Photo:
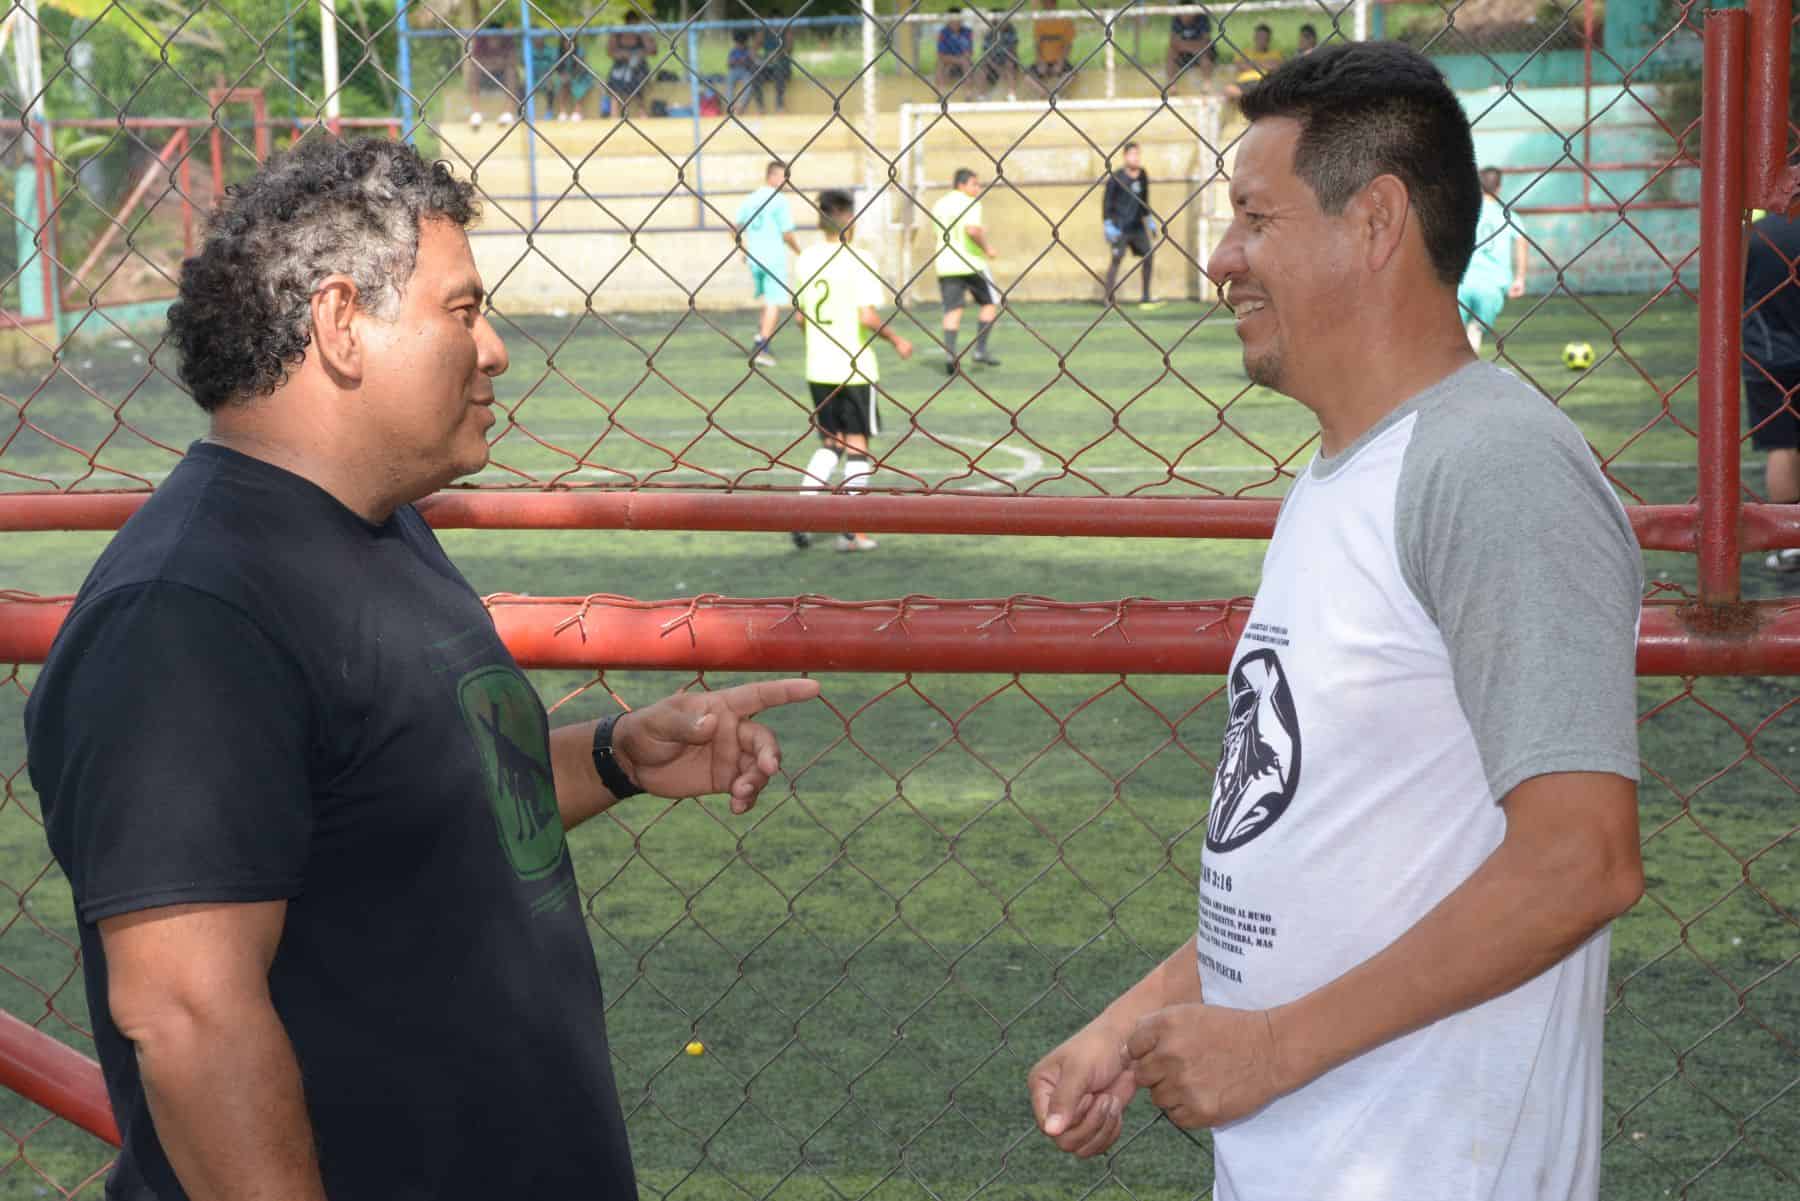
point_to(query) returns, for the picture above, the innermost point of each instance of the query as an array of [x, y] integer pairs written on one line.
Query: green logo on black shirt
[[507, 725]]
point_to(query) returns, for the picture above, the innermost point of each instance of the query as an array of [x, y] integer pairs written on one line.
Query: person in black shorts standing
[[1128, 221], [1191, 45], [839, 295], [963, 253], [311, 811], [1772, 362]]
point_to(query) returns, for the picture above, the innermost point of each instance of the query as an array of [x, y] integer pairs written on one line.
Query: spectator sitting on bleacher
[[1307, 42], [492, 56], [1191, 45], [1000, 55], [1055, 41], [562, 76], [955, 51], [1255, 62], [741, 74], [777, 66], [630, 51]]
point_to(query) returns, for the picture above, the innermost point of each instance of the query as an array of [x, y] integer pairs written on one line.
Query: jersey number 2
[[819, 317]]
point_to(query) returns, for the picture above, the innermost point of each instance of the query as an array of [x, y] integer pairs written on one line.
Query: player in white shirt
[[1425, 811], [838, 296]]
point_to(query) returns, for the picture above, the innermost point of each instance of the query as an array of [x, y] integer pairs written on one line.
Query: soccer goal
[[1044, 166]]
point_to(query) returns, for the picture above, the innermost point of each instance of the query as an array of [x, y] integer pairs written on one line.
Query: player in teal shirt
[[1497, 270], [764, 227]]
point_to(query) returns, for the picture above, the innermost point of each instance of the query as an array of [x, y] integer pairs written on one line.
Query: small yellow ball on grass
[[696, 1048]]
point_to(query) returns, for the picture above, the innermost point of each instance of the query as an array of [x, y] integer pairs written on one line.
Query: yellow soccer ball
[[1578, 356], [696, 1048]]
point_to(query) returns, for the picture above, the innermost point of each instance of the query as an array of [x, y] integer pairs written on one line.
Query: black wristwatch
[[607, 764]]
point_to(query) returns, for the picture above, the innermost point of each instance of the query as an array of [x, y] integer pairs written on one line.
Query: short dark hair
[[1380, 108], [1310, 32], [1262, 27], [741, 36], [1129, 146], [836, 206], [775, 165], [963, 175], [243, 317]]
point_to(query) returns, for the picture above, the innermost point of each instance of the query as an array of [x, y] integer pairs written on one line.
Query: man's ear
[[1382, 210], [335, 307]]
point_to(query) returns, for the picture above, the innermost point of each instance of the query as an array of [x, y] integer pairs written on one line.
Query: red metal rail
[[1659, 527], [930, 635], [59, 1078], [1720, 491]]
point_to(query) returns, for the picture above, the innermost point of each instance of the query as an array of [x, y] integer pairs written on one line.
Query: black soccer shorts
[[844, 409]]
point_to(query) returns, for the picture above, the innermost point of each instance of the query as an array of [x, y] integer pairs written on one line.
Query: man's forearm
[[224, 1091], [1174, 981], [1520, 913]]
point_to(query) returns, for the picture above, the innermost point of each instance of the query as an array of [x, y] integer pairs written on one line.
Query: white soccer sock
[[857, 470], [818, 468]]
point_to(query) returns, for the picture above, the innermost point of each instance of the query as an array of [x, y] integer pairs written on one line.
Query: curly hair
[[244, 317], [1379, 108]]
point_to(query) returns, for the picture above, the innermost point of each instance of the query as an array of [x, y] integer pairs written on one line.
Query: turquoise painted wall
[[1525, 130]]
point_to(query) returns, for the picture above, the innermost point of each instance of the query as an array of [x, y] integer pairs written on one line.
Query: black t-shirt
[[1126, 200], [1191, 27], [261, 696], [1772, 334]]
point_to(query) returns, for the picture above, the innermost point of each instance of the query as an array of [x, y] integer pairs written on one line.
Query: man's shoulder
[[1483, 416], [240, 532]]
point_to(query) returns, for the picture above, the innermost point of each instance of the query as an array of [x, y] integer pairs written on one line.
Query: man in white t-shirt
[[838, 297], [1425, 811]]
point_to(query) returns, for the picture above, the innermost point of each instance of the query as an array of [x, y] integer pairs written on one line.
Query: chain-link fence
[[989, 822]]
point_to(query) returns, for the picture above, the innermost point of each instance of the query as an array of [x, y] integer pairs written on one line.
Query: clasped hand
[[1204, 1066], [695, 743]]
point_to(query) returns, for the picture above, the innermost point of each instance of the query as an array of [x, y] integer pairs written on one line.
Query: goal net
[[1044, 168]]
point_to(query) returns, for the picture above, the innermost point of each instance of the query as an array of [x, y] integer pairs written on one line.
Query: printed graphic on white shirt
[[1259, 767]]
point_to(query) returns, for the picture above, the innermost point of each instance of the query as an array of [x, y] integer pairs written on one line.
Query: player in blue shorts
[[764, 228], [1497, 271]]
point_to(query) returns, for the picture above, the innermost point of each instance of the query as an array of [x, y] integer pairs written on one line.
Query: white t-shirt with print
[[1448, 607], [833, 284]]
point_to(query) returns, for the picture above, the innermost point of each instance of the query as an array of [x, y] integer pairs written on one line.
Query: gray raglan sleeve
[[1512, 540]]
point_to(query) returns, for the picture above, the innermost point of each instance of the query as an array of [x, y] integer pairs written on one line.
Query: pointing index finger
[[747, 700]]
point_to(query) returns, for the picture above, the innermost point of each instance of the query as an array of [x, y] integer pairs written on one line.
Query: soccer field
[[958, 870]]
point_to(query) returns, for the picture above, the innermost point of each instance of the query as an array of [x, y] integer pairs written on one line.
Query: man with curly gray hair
[[311, 811]]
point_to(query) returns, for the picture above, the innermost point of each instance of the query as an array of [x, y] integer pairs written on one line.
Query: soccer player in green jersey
[[963, 255]]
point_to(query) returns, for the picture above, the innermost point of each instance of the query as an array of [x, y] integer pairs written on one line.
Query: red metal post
[[59, 1078], [259, 109], [45, 167], [218, 163], [1587, 101], [187, 196], [1720, 493], [1766, 114]]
